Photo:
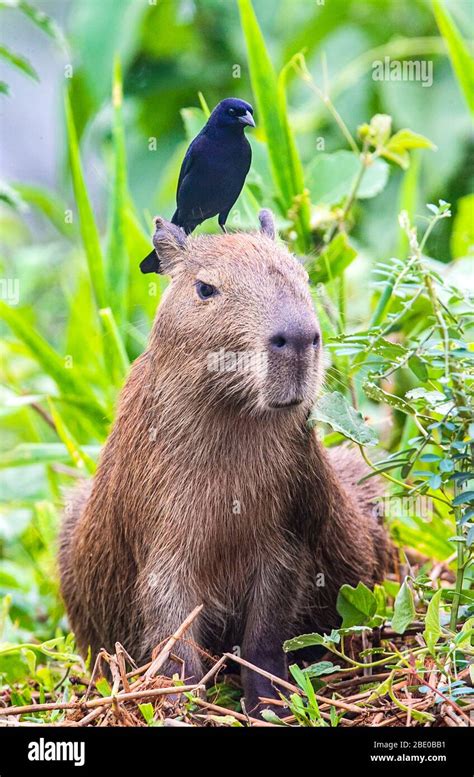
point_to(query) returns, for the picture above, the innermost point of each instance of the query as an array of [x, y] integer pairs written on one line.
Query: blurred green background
[[170, 52]]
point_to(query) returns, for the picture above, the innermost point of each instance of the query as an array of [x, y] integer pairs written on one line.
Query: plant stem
[[365, 160], [299, 65], [342, 300], [338, 119], [459, 568]]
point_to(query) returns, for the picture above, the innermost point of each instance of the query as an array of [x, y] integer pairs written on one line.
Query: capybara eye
[[205, 290], [316, 339]]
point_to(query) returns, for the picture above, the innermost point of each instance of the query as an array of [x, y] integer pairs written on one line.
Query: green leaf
[[465, 497], [404, 609], [459, 55], [397, 147], [464, 638], [66, 379], [321, 668], [301, 202], [378, 131], [308, 640], [330, 177], [353, 630], [462, 237], [25, 454], [270, 96], [432, 630], [117, 262], [48, 204], [194, 120], [298, 675], [39, 18], [374, 180], [225, 720], [356, 605], [103, 686], [89, 231], [265, 88], [147, 712], [272, 717], [433, 398], [12, 198], [79, 457], [467, 515], [418, 367], [30, 657], [406, 139], [335, 410], [332, 261], [304, 682], [379, 395], [14, 667], [21, 63], [114, 348]]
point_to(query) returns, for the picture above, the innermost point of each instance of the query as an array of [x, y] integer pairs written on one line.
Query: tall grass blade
[[49, 204], [297, 175], [50, 361], [265, 88], [114, 349], [408, 199], [21, 63], [26, 454], [88, 227], [117, 261], [79, 456], [461, 60]]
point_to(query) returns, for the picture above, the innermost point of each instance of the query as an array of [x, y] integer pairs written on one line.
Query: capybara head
[[237, 320]]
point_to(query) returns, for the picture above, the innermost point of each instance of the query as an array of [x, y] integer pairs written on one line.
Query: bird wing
[[188, 160], [211, 178]]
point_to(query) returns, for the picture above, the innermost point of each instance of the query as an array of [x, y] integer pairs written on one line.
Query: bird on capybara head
[[211, 488], [213, 171]]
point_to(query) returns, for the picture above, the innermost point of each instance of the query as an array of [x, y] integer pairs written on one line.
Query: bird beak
[[247, 118]]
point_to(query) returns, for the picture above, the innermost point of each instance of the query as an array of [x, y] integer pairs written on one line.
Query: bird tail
[[187, 226], [150, 263]]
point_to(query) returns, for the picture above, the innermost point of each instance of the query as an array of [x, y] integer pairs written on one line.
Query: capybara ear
[[267, 223], [169, 241]]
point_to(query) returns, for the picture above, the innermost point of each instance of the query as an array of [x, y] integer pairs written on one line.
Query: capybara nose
[[295, 338]]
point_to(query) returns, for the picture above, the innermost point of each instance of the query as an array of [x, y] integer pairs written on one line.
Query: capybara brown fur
[[211, 488]]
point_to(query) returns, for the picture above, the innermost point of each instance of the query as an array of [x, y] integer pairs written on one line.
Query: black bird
[[213, 171]]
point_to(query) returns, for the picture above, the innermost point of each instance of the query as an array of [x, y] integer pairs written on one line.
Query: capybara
[[211, 488]]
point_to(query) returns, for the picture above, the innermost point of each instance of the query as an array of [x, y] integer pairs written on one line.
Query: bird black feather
[[213, 171]]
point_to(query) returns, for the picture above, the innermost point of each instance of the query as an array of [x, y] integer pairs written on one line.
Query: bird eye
[[231, 111], [205, 290]]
